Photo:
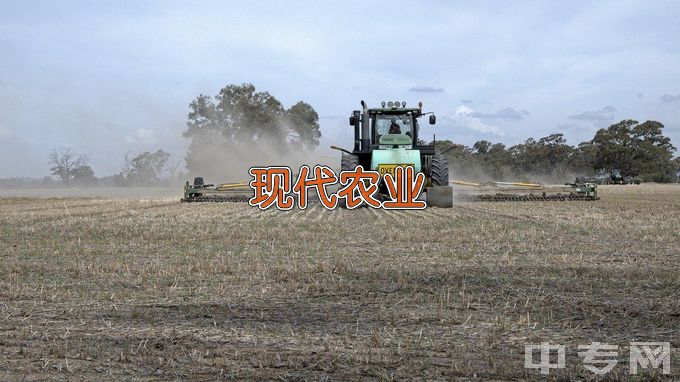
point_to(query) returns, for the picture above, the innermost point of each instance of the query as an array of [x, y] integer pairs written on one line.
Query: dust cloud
[[474, 172], [231, 164]]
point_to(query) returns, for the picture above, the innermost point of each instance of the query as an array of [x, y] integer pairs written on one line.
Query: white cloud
[[599, 118], [505, 113], [465, 116], [141, 135], [604, 114]]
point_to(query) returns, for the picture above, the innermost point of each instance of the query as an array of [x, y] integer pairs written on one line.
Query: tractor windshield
[[393, 124]]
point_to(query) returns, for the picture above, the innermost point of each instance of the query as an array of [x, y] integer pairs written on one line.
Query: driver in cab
[[394, 127]]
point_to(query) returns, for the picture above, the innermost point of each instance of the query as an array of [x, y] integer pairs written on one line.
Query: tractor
[[387, 137], [611, 177]]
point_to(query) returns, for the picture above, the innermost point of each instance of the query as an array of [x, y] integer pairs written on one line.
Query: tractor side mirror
[[352, 121], [433, 119]]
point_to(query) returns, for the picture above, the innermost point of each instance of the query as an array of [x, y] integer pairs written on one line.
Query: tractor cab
[[388, 137], [390, 127]]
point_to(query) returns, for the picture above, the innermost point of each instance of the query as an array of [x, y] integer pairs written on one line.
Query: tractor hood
[[395, 139]]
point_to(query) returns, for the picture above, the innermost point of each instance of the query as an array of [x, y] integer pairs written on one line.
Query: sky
[[104, 78]]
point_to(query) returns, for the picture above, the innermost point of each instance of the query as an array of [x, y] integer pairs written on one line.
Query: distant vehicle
[[611, 177]]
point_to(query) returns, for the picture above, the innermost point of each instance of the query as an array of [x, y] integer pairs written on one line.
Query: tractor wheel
[[347, 163], [439, 172]]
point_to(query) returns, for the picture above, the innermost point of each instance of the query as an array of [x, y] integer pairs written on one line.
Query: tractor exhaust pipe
[[365, 136]]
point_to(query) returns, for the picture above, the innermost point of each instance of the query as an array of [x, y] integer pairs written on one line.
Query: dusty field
[[94, 289]]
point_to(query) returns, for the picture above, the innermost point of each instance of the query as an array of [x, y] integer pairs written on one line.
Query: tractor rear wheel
[[347, 163], [441, 193], [439, 172]]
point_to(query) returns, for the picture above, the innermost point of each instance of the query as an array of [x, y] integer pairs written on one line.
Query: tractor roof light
[[383, 103], [403, 103], [420, 104], [390, 104], [396, 103]]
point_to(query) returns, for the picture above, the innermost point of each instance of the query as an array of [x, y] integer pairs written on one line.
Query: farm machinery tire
[[439, 170], [348, 162]]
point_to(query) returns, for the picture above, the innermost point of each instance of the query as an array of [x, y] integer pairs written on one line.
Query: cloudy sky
[[106, 77]]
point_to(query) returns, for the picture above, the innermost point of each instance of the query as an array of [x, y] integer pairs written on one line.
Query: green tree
[[303, 125], [615, 148], [637, 149], [548, 156], [676, 165], [147, 168], [496, 161], [583, 158], [240, 115], [653, 153], [481, 147]]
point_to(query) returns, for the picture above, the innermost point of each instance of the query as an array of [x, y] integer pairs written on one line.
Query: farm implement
[[225, 192], [464, 192], [522, 192], [612, 177]]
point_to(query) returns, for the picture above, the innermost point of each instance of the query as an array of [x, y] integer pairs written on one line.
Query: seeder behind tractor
[[522, 192], [464, 191], [225, 192]]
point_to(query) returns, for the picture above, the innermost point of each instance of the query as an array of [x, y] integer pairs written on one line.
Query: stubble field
[[114, 288]]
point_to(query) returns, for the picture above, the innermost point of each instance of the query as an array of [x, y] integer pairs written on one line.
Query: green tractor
[[618, 178], [387, 137]]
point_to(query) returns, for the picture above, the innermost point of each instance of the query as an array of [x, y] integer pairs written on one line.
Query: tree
[[497, 161], [147, 168], [614, 147], [481, 147], [66, 164], [653, 152], [550, 155], [676, 165], [84, 176], [126, 169], [303, 125], [583, 158], [241, 116], [637, 149]]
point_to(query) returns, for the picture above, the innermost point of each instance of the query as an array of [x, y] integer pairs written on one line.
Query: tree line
[[241, 121], [636, 149], [146, 169]]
